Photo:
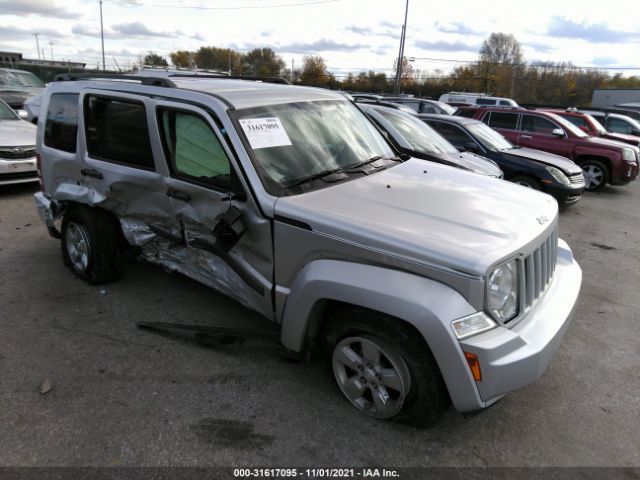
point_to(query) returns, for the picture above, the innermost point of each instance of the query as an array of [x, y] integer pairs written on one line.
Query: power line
[[547, 65], [242, 7]]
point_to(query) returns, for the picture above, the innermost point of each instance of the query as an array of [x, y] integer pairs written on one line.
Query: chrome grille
[[537, 270], [577, 179], [18, 153]]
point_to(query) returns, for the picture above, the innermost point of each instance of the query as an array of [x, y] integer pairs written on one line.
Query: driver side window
[[192, 149]]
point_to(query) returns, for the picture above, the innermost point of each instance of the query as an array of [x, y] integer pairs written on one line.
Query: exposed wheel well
[[122, 241], [319, 322], [604, 160]]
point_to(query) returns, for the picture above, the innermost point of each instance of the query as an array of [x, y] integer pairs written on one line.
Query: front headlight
[[502, 291], [558, 175], [629, 155]]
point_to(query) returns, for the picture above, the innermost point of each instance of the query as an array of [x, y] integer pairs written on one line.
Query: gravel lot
[[122, 396]]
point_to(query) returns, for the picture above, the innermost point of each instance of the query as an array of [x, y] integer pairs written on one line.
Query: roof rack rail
[[152, 81], [233, 77]]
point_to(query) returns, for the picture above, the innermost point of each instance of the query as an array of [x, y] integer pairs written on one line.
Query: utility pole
[[37, 44], [229, 61], [51, 47], [102, 36], [401, 51], [292, 70]]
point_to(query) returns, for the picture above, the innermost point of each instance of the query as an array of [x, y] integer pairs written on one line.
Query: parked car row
[[429, 284]]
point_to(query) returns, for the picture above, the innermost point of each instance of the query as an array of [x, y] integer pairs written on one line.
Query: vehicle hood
[[475, 163], [17, 133], [429, 214], [607, 143], [622, 137], [551, 159]]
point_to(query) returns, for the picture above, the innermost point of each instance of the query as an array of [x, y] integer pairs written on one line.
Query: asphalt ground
[[121, 396]]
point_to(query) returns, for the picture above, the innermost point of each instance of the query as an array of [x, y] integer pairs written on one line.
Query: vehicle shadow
[[16, 190]]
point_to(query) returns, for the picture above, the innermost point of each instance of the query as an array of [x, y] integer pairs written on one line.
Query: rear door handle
[[184, 196], [91, 172]]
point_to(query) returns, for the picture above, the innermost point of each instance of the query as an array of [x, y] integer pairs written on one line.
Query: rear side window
[[117, 132], [533, 123], [61, 127], [192, 149], [485, 101], [618, 126], [465, 112], [502, 120], [505, 103]]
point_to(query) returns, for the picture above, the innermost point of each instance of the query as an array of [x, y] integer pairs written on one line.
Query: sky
[[351, 35]]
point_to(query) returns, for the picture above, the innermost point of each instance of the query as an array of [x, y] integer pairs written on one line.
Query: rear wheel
[[385, 369], [596, 174], [89, 239], [527, 181]]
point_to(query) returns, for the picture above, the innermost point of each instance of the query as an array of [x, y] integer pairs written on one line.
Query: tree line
[[500, 70]]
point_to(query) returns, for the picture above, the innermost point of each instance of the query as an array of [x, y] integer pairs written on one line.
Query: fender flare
[[427, 305]]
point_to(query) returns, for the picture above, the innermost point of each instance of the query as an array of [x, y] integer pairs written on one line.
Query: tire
[[405, 373], [527, 181], [90, 241], [596, 174]]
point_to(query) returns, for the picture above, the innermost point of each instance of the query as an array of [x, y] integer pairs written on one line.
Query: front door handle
[[91, 172], [184, 196], [526, 136]]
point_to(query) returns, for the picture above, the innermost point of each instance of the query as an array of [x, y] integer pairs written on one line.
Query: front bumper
[[626, 175], [511, 358], [18, 171], [565, 194]]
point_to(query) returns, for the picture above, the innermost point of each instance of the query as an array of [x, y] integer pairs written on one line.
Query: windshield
[[6, 113], [634, 123], [489, 138], [568, 125], [294, 141], [420, 136], [9, 80], [28, 79], [448, 109], [598, 126]]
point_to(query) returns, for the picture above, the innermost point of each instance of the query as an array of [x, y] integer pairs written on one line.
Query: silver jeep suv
[[429, 284]]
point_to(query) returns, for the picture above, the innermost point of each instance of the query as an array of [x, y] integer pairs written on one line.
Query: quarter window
[[117, 132], [485, 101], [192, 148], [503, 120], [535, 124], [61, 127]]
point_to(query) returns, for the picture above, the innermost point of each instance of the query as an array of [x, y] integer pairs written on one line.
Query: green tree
[[263, 62], [182, 58], [315, 72], [155, 60]]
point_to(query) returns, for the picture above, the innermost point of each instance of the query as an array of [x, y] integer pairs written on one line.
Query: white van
[[470, 98]]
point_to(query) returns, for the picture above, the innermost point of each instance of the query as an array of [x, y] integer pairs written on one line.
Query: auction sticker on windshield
[[265, 132]]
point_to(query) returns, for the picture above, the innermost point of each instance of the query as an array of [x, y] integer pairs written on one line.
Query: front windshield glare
[[420, 136], [491, 139], [29, 79], [568, 125], [6, 113], [9, 80], [294, 141]]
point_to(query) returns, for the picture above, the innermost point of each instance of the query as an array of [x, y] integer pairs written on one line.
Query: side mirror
[[22, 114], [557, 132], [471, 147]]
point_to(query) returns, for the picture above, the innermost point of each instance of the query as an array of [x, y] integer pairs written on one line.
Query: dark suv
[[603, 161]]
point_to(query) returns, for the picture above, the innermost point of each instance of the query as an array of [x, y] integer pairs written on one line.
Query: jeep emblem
[[542, 220]]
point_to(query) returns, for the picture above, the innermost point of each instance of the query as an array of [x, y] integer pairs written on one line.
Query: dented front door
[[226, 243]]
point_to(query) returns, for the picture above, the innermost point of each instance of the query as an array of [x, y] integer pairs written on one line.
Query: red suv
[[603, 161], [592, 127]]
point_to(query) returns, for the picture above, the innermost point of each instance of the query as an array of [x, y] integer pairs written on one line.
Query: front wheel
[[527, 181], [385, 369], [596, 174]]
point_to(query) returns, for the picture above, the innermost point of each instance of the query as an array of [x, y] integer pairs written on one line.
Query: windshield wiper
[[356, 166], [311, 178]]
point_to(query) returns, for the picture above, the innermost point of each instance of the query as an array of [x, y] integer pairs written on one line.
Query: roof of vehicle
[[235, 92], [448, 118]]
